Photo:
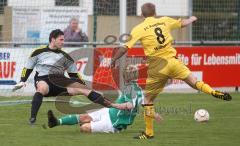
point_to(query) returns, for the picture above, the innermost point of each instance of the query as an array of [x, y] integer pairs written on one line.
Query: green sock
[[69, 120]]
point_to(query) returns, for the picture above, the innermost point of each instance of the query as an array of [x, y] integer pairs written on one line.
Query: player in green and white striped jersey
[[108, 119]]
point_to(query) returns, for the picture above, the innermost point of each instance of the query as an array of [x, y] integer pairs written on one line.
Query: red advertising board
[[216, 65], [220, 66], [7, 68]]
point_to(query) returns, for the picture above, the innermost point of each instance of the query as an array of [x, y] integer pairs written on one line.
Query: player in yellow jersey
[[154, 34]]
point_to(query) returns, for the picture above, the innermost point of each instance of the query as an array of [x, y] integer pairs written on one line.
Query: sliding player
[[109, 119]]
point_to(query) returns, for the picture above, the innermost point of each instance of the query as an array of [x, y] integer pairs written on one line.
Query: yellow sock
[[204, 87], [148, 118]]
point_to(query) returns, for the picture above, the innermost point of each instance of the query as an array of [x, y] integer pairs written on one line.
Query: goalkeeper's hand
[[19, 86]]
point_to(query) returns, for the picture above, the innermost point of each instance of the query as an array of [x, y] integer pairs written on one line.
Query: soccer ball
[[201, 115]]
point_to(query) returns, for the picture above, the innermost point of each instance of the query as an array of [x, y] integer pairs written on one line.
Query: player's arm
[[130, 100], [119, 53], [188, 21], [178, 23], [123, 106], [72, 70], [27, 70], [25, 74], [134, 37]]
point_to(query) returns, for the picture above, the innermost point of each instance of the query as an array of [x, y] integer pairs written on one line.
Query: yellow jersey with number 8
[[155, 36]]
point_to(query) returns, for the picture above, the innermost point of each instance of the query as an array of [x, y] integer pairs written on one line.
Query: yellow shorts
[[160, 70]]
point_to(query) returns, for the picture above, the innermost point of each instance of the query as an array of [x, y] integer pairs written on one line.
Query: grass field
[[177, 129]]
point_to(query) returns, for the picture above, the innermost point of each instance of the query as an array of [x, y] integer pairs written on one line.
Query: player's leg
[[85, 128], [180, 71], [100, 122], [153, 87], [85, 118], [73, 87], [156, 80], [42, 89], [201, 86], [77, 88], [52, 120], [67, 119], [149, 113]]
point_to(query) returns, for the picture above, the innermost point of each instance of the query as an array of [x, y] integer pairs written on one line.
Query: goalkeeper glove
[[19, 86]]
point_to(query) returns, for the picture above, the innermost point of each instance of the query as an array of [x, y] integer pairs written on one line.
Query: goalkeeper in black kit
[[50, 63]]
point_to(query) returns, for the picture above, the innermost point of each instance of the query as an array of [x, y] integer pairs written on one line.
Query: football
[[201, 115]]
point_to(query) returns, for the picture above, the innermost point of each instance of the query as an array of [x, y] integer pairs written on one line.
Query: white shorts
[[101, 121]]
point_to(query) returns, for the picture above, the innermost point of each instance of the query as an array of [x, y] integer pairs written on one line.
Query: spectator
[[74, 34]]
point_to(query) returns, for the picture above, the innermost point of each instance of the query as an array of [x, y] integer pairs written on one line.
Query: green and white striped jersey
[[122, 118]]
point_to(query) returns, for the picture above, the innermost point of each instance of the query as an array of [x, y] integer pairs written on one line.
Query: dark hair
[[148, 10], [54, 34]]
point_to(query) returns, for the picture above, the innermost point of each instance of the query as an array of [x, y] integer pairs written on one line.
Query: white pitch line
[[17, 102]]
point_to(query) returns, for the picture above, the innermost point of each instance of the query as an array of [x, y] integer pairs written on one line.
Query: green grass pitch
[[177, 129]]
